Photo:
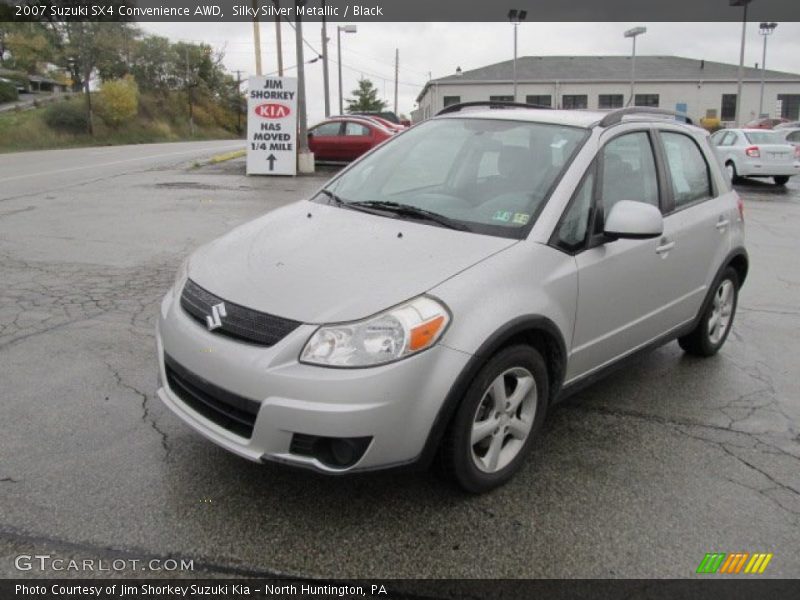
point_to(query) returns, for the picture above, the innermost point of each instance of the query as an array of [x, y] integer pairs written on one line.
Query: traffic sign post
[[272, 126]]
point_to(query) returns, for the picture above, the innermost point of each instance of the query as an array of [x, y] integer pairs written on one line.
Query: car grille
[[234, 413], [239, 322]]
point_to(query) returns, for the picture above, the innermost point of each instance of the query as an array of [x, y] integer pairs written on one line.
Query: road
[[638, 476]]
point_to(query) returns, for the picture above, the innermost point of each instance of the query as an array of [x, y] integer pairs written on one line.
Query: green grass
[[27, 130]]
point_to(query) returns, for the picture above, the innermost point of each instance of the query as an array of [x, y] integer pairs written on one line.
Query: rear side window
[[355, 129], [326, 129], [793, 137], [688, 169], [629, 173]]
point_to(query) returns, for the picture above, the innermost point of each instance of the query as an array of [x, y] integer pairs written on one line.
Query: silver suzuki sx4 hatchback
[[434, 299]]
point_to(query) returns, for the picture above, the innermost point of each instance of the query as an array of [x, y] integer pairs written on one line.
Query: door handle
[[665, 247], [722, 223]]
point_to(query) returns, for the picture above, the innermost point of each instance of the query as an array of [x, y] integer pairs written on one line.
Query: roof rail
[[615, 116], [490, 104]]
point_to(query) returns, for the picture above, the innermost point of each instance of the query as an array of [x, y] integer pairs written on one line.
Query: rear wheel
[[780, 179], [494, 426], [731, 169], [715, 324]]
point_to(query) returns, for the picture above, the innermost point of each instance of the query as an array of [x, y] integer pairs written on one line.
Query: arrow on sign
[[271, 158]]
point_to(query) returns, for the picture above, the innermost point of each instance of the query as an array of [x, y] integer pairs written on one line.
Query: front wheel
[[715, 323], [780, 179], [493, 428]]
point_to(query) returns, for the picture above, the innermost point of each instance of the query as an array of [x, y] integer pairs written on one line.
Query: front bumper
[[395, 405]]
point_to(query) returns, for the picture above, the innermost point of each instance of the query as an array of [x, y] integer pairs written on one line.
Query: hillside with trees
[[125, 86]]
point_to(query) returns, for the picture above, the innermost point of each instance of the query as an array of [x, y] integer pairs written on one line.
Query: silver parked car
[[757, 153], [432, 301]]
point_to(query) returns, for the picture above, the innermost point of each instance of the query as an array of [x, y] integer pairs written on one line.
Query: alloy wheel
[[503, 420], [721, 311]]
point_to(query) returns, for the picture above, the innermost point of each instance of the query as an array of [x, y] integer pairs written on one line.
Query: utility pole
[[325, 79], [742, 3], [277, 4], [239, 101], [189, 93], [396, 73], [305, 159], [257, 37]]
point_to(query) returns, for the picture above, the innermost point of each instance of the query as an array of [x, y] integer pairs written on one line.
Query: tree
[[119, 100], [365, 98], [25, 46], [153, 64]]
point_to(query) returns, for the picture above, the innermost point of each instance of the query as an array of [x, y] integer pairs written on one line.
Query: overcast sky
[[438, 48]]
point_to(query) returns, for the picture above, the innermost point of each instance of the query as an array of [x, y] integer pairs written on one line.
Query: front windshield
[[491, 176]]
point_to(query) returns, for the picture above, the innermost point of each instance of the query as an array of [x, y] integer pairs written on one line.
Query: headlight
[[383, 338], [181, 276]]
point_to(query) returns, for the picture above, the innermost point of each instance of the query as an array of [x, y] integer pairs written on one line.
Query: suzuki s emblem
[[214, 320]]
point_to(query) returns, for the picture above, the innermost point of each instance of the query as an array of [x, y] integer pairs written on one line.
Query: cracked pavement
[[637, 476]]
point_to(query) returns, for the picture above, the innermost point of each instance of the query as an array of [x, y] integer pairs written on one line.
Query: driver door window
[[628, 173]]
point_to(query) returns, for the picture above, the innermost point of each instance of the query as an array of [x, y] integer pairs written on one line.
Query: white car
[[756, 153]]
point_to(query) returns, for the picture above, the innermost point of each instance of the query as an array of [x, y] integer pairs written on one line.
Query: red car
[[764, 123], [345, 138]]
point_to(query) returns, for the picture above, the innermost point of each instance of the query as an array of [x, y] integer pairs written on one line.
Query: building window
[[540, 100], [790, 106], [450, 100], [646, 100], [501, 98], [575, 101], [609, 101], [728, 111]]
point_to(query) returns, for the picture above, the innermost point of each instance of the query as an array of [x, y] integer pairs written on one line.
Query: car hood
[[318, 264]]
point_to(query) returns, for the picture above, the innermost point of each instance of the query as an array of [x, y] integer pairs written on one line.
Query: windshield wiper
[[336, 200], [409, 211]]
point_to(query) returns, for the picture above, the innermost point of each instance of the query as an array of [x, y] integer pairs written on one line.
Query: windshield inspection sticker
[[521, 218], [502, 215]]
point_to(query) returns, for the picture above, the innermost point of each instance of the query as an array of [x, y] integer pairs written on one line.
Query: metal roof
[[549, 69]]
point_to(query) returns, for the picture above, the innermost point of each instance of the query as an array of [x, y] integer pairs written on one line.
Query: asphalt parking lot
[[637, 476]]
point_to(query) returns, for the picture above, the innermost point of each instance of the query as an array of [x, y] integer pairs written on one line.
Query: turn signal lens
[[423, 335]]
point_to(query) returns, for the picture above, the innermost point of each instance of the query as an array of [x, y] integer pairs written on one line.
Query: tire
[[498, 455], [731, 169], [780, 179], [706, 338]]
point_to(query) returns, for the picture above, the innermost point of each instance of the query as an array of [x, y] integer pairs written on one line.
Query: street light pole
[[766, 30], [325, 79], [632, 33], [339, 29], [744, 4], [514, 17]]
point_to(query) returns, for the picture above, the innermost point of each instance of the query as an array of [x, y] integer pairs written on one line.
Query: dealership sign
[[272, 126]]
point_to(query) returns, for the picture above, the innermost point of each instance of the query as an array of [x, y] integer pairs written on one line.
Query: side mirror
[[633, 221]]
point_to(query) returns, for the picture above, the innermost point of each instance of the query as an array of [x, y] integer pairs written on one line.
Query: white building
[[698, 88]]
